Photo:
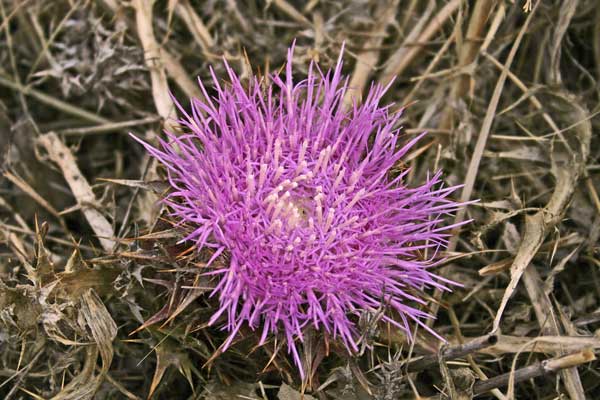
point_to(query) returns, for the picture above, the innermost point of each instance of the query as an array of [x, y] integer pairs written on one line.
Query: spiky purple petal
[[297, 192]]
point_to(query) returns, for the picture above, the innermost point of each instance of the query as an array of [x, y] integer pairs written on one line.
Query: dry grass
[[97, 297]]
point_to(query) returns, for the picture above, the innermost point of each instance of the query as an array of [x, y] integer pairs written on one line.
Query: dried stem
[[402, 58], [546, 367], [61, 155], [467, 55], [195, 25], [486, 127], [53, 102], [154, 60], [452, 353], [367, 59]]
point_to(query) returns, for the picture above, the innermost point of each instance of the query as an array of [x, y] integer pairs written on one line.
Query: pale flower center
[[287, 211]]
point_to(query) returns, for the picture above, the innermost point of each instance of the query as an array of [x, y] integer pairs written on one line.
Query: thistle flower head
[[308, 201]]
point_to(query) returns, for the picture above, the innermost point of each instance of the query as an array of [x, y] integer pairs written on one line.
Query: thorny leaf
[[167, 354], [68, 309]]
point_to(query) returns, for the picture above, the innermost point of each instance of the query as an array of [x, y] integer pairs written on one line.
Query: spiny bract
[[307, 200]]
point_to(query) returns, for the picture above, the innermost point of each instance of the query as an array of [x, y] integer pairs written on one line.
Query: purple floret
[[308, 202]]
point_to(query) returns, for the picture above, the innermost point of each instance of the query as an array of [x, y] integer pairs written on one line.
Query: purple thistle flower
[[300, 194]]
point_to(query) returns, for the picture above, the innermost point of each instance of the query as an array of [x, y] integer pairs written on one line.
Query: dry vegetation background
[[508, 91]]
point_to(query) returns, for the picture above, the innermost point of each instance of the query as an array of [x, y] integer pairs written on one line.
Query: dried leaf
[[61, 154], [167, 354], [103, 330]]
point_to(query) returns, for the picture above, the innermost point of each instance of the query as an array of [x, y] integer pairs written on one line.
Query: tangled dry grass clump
[[100, 298]]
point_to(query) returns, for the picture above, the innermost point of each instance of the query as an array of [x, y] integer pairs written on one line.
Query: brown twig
[[542, 344], [108, 128], [452, 353], [505, 263], [467, 55], [21, 374], [567, 174], [50, 238], [402, 57], [54, 103], [154, 60], [425, 75], [549, 325], [565, 14], [291, 12], [25, 187], [367, 59], [545, 367], [481, 143], [195, 25], [486, 127]]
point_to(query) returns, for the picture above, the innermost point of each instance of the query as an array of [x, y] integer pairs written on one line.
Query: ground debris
[[100, 296]]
